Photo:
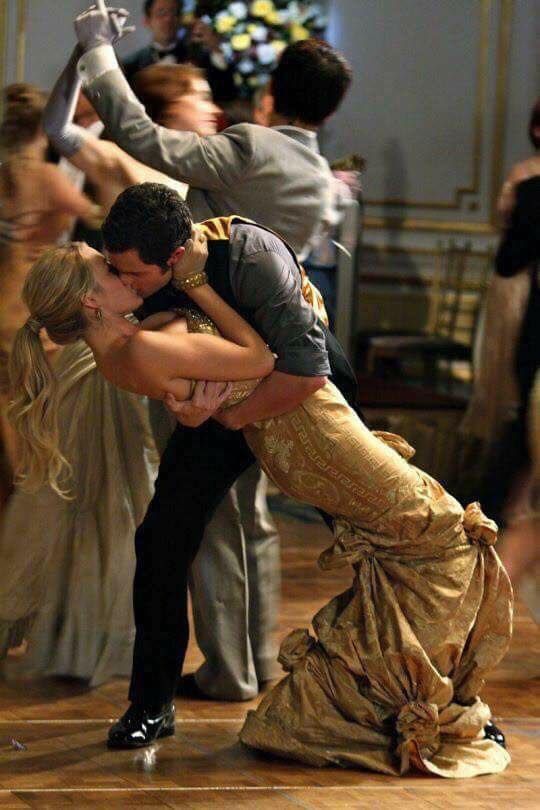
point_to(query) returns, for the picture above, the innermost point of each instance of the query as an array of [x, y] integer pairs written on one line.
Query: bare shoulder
[[155, 349], [140, 365], [49, 171]]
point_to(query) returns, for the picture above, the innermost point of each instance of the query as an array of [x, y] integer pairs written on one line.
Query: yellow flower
[[274, 18], [225, 24], [298, 32], [260, 8], [279, 46], [240, 42]]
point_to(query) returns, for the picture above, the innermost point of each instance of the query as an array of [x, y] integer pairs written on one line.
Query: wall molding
[[3, 47], [20, 55], [395, 221], [479, 116]]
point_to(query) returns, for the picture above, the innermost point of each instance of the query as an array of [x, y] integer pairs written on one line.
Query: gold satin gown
[[390, 680]]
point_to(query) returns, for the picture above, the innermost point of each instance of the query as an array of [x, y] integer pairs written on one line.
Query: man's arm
[[267, 283], [277, 394], [215, 163]]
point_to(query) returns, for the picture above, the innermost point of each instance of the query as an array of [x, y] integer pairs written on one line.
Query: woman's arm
[[77, 144], [229, 323], [65, 136], [158, 358], [98, 159], [64, 197]]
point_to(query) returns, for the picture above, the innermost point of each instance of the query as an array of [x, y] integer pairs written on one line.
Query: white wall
[[50, 36], [411, 110]]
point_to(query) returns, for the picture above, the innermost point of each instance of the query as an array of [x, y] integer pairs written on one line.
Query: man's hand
[[207, 399], [194, 258], [100, 25]]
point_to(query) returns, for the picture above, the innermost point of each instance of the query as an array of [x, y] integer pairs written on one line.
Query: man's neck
[[282, 121]]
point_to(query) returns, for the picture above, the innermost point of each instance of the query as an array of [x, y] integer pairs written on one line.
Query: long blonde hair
[[53, 293]]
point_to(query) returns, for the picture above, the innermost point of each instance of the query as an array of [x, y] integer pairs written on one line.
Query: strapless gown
[[390, 679]]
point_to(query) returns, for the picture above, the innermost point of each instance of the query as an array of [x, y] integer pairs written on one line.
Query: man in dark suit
[[175, 45]]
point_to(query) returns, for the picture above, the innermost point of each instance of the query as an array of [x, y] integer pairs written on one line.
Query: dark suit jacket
[[220, 81], [519, 251]]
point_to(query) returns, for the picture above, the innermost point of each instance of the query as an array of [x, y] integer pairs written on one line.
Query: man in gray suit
[[273, 175]]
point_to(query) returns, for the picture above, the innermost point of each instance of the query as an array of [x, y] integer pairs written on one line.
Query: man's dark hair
[[310, 81], [147, 8], [150, 218]]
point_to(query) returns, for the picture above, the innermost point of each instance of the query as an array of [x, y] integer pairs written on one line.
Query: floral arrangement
[[255, 32]]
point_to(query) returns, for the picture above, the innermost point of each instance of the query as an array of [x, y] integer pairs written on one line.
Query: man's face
[[163, 21], [143, 279], [195, 111]]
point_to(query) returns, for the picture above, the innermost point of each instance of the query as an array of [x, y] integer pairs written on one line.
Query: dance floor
[[52, 734]]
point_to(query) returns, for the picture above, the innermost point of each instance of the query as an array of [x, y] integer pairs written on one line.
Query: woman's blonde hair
[[53, 293]]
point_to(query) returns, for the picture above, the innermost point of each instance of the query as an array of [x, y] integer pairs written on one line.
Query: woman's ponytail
[[33, 413], [53, 293]]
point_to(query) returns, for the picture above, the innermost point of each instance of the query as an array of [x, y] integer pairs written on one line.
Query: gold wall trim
[[497, 155], [420, 250], [20, 57], [484, 8], [501, 95], [3, 47], [444, 226]]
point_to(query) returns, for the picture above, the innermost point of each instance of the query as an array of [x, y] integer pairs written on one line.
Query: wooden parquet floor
[[65, 762]]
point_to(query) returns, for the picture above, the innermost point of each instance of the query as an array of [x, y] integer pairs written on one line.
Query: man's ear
[[175, 256]]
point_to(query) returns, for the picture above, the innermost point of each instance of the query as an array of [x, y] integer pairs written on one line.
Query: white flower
[[246, 66], [238, 10], [266, 54], [259, 33], [227, 50], [293, 10]]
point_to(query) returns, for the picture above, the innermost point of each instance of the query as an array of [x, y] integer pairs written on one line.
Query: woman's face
[[110, 294], [193, 112]]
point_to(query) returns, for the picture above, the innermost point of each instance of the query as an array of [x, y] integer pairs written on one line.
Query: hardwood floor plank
[[64, 725]]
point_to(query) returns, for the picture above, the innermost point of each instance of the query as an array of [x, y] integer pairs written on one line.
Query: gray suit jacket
[[279, 180]]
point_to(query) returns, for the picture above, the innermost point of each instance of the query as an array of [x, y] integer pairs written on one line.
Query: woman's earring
[[99, 315]]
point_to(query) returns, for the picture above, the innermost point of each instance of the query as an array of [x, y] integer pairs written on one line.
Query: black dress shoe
[[188, 688], [491, 732], [138, 727]]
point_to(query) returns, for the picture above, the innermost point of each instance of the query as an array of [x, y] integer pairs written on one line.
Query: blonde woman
[[391, 682], [84, 626], [36, 205]]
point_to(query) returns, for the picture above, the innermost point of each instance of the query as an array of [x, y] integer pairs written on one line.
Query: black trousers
[[197, 469]]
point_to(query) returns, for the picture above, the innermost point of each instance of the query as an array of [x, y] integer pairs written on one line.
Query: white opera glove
[[100, 25], [66, 137]]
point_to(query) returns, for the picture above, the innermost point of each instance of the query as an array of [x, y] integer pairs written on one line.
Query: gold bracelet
[[190, 282]]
